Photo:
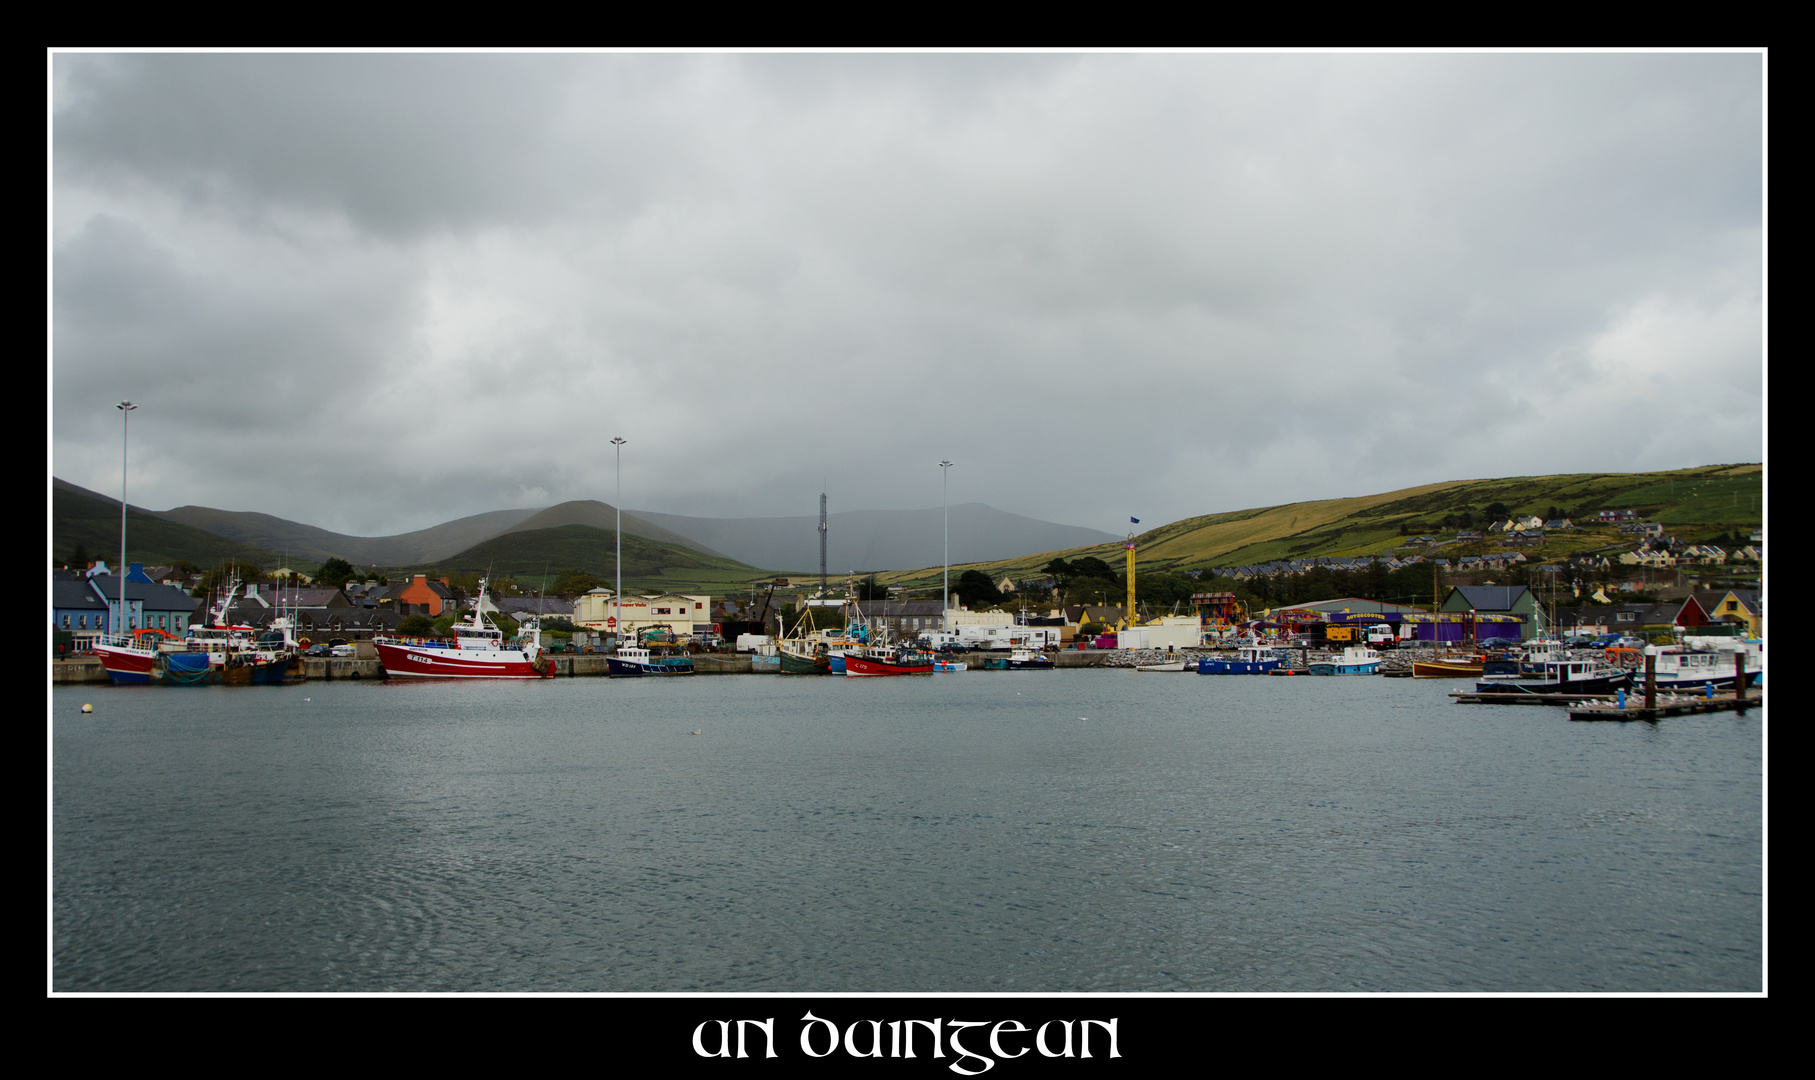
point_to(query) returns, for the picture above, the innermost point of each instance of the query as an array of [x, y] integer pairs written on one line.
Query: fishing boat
[[657, 652], [1354, 660], [805, 657], [1029, 660], [949, 666], [478, 651], [1175, 665], [1467, 666], [634, 660], [1592, 675], [889, 660], [1246, 660], [219, 652], [1679, 669], [132, 658]]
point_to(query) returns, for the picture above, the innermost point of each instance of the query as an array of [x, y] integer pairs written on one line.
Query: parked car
[[341, 650], [316, 650]]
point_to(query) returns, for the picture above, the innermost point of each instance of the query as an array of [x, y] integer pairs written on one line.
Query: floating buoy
[[88, 708]]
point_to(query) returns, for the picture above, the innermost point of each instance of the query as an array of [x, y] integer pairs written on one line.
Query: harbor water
[[1030, 832]]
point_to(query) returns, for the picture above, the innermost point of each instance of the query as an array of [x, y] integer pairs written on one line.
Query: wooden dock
[[1682, 706], [1503, 698]]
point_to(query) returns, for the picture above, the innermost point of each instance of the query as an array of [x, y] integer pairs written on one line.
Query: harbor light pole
[[945, 595], [617, 593], [125, 408]]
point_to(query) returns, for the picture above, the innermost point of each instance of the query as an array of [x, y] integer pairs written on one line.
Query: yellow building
[[679, 613]]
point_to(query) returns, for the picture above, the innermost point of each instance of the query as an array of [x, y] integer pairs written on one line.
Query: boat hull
[[425, 662], [1440, 669], [127, 667], [1599, 684], [805, 665], [1370, 668], [1218, 665], [618, 669], [866, 665]]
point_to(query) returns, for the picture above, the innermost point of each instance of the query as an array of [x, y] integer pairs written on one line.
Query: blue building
[[86, 606]]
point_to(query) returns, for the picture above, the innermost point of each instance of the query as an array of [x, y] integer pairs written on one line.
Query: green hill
[[531, 553], [1694, 504], [80, 516]]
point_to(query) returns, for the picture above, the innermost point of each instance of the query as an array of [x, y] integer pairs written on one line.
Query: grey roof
[[68, 594], [1492, 597], [151, 597], [534, 605]]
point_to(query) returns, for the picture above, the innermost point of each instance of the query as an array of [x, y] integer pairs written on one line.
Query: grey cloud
[[767, 270]]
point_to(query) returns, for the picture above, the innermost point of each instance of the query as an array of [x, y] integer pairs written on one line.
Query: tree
[[870, 589], [79, 559], [335, 572], [976, 591], [574, 581], [416, 626]]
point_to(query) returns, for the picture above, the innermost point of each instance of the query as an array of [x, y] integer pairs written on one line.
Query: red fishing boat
[[889, 661], [478, 651]]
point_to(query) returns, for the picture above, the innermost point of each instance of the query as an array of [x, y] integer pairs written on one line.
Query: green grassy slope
[[1695, 504]]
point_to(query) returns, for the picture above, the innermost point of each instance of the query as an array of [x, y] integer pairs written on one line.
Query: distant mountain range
[[871, 540], [857, 541]]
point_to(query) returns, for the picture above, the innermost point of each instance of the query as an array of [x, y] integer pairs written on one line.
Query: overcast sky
[[377, 292]]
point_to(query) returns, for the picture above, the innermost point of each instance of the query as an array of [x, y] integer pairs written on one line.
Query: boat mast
[[125, 408], [617, 594], [945, 593]]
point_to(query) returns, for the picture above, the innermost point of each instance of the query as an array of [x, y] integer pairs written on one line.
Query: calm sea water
[[986, 831]]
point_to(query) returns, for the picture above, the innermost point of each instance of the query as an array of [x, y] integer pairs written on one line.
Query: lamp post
[[617, 593], [125, 408], [945, 595]]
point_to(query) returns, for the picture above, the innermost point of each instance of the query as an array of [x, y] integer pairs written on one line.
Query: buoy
[[88, 708]]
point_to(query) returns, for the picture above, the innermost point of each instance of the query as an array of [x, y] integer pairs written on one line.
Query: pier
[[1674, 705]]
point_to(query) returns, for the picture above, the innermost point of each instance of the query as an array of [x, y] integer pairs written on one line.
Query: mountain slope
[[873, 540], [308, 544], [598, 515], [531, 553], [81, 516]]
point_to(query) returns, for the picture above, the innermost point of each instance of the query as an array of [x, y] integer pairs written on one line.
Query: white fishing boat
[[1694, 668], [478, 651]]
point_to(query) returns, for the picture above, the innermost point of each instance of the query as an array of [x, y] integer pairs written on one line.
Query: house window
[[65, 622], [1627, 616]]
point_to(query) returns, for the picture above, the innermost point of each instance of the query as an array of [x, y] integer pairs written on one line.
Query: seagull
[[696, 731]]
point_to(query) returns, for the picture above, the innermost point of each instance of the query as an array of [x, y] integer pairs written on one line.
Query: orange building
[[424, 597]]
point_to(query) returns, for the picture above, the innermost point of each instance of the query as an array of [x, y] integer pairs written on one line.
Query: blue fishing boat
[[1247, 660], [1354, 660]]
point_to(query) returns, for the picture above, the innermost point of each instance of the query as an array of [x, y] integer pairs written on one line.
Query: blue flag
[[1136, 520]]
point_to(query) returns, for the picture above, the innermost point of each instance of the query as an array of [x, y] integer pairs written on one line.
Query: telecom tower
[[822, 544]]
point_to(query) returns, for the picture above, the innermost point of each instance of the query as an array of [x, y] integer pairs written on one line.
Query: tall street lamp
[[945, 596], [125, 408], [617, 594]]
